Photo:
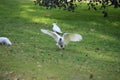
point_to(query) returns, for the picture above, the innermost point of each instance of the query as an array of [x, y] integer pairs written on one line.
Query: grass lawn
[[35, 56]]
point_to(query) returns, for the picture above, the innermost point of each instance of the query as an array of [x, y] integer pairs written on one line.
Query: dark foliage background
[[70, 5]]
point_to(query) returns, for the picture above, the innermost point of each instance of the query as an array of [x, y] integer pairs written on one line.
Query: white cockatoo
[[56, 28], [64, 39], [5, 40]]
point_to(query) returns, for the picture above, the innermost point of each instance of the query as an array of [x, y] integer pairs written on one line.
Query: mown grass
[[34, 55]]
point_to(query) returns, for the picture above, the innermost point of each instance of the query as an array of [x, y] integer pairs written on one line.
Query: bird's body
[[56, 28], [64, 39], [5, 40]]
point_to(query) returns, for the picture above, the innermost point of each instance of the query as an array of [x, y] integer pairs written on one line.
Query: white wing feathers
[[71, 37], [56, 28], [50, 33]]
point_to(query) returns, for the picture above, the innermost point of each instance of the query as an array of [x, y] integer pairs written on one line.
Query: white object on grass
[[64, 39], [5, 40], [56, 28]]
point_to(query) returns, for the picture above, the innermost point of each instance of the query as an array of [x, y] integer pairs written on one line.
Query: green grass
[[34, 55]]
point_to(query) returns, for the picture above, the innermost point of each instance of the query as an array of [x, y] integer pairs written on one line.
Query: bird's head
[[60, 39], [61, 43]]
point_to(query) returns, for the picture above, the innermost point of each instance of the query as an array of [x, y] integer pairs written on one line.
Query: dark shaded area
[[71, 5], [61, 4]]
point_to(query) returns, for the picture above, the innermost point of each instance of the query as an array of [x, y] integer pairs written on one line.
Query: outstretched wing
[[71, 37], [50, 33], [56, 28]]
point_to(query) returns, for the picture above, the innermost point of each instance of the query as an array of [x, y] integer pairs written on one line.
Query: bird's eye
[[60, 39], [61, 45]]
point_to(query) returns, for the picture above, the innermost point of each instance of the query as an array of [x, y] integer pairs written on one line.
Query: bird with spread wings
[[63, 40]]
